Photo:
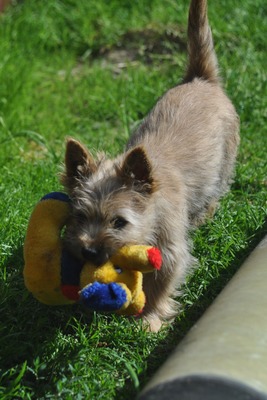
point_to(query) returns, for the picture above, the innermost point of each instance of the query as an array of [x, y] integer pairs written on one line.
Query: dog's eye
[[119, 223], [118, 269]]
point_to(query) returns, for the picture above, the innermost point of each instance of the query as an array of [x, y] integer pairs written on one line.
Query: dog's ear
[[78, 163], [136, 168]]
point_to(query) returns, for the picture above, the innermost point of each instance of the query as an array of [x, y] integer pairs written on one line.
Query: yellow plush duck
[[55, 277]]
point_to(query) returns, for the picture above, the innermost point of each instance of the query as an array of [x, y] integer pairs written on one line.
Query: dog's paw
[[151, 323]]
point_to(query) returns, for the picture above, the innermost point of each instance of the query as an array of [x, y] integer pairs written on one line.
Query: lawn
[[92, 69]]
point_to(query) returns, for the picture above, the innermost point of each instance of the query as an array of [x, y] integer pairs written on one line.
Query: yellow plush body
[[115, 286], [42, 251]]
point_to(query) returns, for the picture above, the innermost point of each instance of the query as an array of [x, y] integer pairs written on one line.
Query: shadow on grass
[[188, 318], [248, 187], [27, 330]]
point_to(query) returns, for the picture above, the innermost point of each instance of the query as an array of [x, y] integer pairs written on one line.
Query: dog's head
[[111, 202]]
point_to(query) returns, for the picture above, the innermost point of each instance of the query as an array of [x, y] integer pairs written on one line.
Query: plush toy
[[56, 277]]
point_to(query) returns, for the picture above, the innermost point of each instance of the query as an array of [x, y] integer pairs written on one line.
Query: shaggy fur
[[175, 168]]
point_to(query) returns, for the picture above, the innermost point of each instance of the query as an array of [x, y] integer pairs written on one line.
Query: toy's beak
[[104, 296]]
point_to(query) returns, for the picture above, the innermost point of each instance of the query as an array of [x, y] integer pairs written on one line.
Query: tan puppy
[[176, 166]]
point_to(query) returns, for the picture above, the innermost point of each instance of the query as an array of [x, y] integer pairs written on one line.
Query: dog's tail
[[202, 62]]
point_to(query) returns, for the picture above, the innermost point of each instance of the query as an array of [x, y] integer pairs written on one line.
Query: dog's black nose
[[95, 255]]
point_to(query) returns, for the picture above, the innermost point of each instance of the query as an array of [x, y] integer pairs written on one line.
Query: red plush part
[[71, 292], [154, 257], [139, 313]]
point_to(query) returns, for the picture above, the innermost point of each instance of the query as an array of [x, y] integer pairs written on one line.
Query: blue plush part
[[56, 196], [103, 296], [70, 268]]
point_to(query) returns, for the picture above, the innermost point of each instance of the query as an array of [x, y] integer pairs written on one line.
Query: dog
[[176, 166]]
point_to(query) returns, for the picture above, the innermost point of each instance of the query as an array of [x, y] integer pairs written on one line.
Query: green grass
[[92, 69]]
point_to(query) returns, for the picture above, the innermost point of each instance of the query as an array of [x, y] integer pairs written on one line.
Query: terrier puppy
[[176, 166]]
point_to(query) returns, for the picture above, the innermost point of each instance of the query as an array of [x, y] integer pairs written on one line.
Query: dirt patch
[[147, 46]]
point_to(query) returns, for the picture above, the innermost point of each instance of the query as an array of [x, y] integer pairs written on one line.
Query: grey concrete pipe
[[224, 356]]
